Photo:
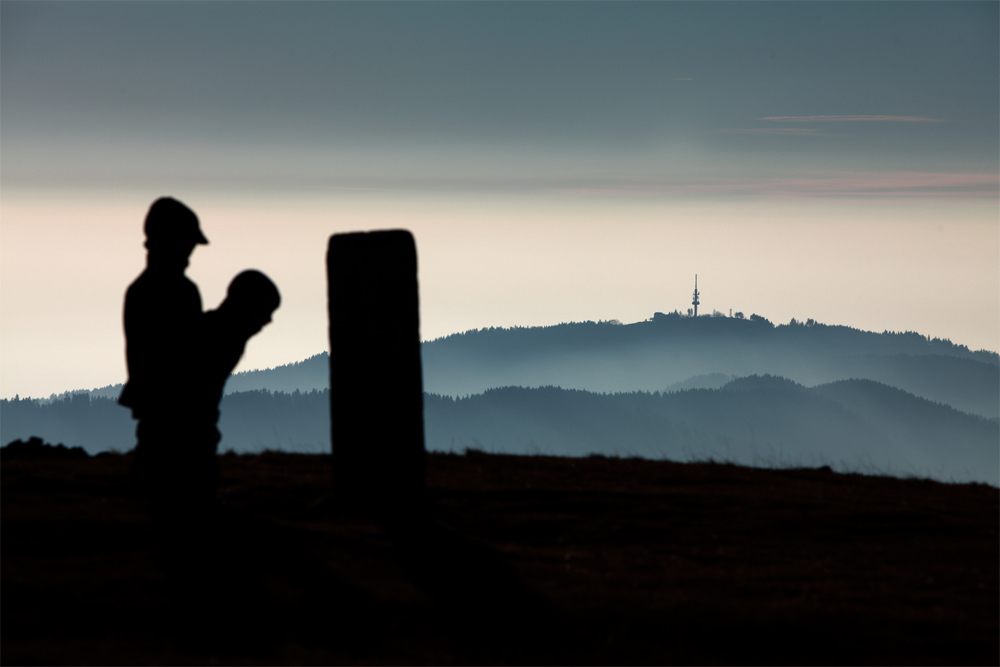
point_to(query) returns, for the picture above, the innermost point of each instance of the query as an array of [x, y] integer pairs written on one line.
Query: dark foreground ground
[[530, 560]]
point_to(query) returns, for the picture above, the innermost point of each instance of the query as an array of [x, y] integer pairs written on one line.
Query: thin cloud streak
[[866, 185], [786, 131], [853, 119]]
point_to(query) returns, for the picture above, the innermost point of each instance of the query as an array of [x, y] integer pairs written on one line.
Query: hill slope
[[757, 420], [652, 355], [671, 352], [752, 421]]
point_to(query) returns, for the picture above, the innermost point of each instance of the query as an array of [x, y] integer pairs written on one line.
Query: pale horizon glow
[[489, 259]]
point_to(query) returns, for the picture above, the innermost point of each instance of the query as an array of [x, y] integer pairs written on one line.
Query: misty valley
[[671, 387]]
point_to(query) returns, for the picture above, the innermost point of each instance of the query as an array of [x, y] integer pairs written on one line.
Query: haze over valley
[[676, 387]]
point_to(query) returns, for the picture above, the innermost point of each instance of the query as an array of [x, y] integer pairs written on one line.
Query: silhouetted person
[[250, 301], [162, 319], [178, 361], [214, 558]]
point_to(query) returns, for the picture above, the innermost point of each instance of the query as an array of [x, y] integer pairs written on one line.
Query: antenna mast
[[695, 301]]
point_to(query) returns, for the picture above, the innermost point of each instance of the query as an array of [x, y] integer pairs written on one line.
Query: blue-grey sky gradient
[[480, 94]]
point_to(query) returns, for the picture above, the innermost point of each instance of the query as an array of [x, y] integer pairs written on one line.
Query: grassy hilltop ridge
[[612, 561]]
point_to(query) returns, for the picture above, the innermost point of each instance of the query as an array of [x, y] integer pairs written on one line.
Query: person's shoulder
[[153, 288], [140, 280], [158, 281], [141, 285]]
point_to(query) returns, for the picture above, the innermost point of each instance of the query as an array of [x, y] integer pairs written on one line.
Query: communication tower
[[695, 301]]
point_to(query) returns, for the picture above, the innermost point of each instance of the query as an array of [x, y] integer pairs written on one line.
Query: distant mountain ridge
[[758, 420], [672, 353], [671, 349], [306, 375], [837, 338], [673, 386]]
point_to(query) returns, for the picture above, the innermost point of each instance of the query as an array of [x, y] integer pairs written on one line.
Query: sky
[[555, 161]]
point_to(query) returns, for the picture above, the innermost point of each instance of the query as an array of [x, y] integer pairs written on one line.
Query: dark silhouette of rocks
[[36, 449]]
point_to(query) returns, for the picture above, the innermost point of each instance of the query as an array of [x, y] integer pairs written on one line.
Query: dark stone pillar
[[376, 387]]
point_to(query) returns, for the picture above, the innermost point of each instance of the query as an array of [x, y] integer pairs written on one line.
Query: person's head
[[172, 230], [252, 298]]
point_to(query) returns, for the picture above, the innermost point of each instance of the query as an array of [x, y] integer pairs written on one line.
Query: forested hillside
[[769, 421], [855, 425], [665, 353], [668, 349], [250, 421], [305, 375]]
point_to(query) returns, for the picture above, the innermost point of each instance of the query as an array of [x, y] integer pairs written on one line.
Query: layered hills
[[682, 388], [668, 351], [850, 425]]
